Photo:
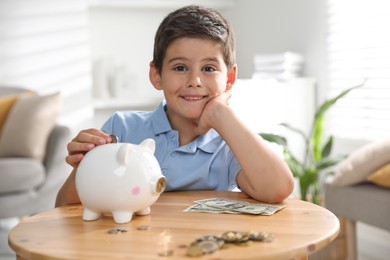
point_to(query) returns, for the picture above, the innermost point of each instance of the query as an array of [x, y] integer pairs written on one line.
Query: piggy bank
[[121, 179]]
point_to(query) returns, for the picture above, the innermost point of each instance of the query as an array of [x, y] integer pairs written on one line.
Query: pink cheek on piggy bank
[[136, 190]]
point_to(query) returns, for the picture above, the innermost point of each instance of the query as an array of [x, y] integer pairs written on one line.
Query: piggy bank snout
[[159, 185]]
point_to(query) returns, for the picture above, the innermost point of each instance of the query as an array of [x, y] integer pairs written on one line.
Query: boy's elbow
[[278, 193], [283, 194], [285, 190]]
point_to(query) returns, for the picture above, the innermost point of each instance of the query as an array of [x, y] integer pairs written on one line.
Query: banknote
[[221, 205], [197, 207]]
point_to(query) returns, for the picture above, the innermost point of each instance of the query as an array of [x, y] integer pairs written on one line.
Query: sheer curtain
[[358, 47]]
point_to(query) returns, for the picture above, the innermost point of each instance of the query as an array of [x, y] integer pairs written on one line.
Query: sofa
[[360, 191], [32, 151]]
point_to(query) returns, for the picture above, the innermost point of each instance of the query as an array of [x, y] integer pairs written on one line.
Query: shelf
[[123, 104]]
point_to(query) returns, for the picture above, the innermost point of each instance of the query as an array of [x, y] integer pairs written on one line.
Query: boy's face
[[193, 72]]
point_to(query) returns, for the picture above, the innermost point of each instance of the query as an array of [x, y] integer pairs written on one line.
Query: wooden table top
[[299, 229]]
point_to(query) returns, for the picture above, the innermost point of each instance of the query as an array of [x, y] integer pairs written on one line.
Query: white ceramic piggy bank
[[121, 179]]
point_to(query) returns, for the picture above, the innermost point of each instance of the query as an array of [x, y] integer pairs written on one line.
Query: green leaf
[[317, 138], [274, 138], [295, 166], [327, 148], [318, 123], [296, 130], [329, 162], [329, 103]]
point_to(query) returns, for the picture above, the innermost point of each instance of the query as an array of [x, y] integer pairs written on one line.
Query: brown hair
[[195, 22]]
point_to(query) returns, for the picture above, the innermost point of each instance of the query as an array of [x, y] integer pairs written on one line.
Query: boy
[[200, 142]]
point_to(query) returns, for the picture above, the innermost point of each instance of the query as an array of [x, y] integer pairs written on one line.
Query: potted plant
[[316, 153]]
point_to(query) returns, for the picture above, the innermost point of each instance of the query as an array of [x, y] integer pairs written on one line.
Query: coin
[[123, 229], [194, 251], [208, 246], [114, 138], [229, 236], [261, 236], [113, 231], [220, 242], [143, 227], [168, 252], [235, 236], [117, 230]]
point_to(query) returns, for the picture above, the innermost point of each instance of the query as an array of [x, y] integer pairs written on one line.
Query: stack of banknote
[[221, 205]]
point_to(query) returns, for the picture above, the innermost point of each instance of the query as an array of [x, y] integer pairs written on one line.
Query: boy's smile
[[193, 72]]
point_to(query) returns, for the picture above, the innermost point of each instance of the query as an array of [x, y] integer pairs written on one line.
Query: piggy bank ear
[[123, 153], [149, 144]]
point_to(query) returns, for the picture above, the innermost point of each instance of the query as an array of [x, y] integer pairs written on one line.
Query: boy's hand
[[85, 141], [211, 112]]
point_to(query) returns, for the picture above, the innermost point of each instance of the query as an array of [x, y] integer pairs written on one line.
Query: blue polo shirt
[[207, 163]]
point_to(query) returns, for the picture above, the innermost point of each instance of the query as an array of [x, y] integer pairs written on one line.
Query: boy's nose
[[194, 80]]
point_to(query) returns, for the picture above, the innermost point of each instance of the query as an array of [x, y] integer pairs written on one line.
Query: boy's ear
[[231, 77], [154, 76]]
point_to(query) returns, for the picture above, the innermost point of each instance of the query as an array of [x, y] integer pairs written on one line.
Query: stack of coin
[[205, 245], [117, 230], [210, 244]]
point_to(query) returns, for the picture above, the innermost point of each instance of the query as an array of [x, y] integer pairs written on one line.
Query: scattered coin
[[168, 252], [143, 227], [208, 247], [117, 230], [113, 231], [220, 242], [261, 236], [210, 244], [235, 236], [195, 251]]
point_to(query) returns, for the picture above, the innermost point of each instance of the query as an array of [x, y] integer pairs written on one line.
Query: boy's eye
[[179, 68], [209, 69]]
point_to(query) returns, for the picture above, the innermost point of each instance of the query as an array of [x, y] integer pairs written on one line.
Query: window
[[359, 49]]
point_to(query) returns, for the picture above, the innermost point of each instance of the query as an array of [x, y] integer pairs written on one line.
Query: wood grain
[[300, 229]]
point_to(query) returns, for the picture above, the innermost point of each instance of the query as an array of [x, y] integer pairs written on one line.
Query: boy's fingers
[[74, 160], [93, 136], [76, 147]]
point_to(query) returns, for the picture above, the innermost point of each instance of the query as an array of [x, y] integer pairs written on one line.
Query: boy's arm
[[67, 194], [264, 175]]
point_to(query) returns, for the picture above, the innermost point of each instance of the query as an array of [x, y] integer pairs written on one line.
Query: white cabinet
[[264, 104]]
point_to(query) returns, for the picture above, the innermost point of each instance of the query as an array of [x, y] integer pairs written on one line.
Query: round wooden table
[[299, 229]]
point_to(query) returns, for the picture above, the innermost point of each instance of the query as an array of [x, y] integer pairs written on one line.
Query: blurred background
[[291, 54]]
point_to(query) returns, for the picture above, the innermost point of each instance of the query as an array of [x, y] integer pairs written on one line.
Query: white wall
[[264, 27], [44, 46], [125, 34]]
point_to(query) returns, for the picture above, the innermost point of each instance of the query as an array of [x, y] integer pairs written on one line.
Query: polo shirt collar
[[207, 143], [160, 121]]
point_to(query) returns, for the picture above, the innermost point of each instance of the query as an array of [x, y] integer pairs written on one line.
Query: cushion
[[28, 126], [20, 174], [381, 176], [363, 202], [362, 162], [6, 104]]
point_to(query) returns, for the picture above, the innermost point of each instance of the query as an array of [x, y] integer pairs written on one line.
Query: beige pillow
[[381, 176], [6, 104], [362, 162], [28, 126]]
